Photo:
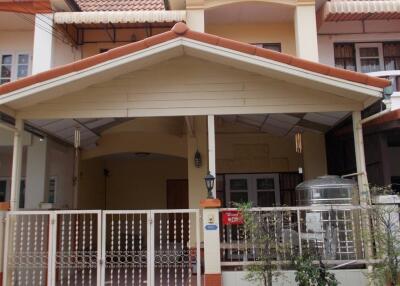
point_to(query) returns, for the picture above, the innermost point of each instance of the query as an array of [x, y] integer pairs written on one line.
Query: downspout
[[387, 92]]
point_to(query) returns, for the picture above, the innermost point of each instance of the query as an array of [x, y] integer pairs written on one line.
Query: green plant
[[386, 238], [261, 230], [310, 274]]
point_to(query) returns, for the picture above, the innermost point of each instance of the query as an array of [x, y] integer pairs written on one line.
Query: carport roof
[[181, 30]]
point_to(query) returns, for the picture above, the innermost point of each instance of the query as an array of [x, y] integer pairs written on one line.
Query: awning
[[349, 10], [119, 17]]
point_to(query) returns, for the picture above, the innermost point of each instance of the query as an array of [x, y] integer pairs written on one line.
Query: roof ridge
[[180, 29]]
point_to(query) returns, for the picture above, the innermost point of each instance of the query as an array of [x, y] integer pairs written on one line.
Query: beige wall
[[60, 161], [101, 39], [138, 183], [314, 155], [245, 150], [258, 33]]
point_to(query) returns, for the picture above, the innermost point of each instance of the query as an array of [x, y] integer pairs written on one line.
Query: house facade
[[112, 114]]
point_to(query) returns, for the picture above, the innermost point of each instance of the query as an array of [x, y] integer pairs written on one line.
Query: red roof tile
[[120, 5], [181, 30]]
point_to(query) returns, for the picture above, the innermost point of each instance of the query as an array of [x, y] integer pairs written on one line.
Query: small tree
[[261, 229], [310, 274], [386, 238]]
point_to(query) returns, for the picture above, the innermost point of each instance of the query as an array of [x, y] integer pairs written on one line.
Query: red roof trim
[[181, 30], [26, 7], [388, 117]]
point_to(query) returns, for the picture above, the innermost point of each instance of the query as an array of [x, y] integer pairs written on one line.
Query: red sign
[[232, 217]]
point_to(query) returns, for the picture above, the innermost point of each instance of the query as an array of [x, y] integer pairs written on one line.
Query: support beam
[[362, 178], [211, 149], [43, 43], [306, 32], [16, 165]]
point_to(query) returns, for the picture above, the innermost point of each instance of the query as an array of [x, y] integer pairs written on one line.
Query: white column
[[195, 20], [43, 43], [360, 159], [35, 173], [212, 250], [211, 149], [305, 26], [16, 164]]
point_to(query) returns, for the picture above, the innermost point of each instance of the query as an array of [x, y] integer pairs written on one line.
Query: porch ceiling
[[274, 124]]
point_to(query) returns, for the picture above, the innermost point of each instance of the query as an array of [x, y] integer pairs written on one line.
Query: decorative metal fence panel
[[26, 249], [52, 248], [157, 247], [331, 233], [102, 248]]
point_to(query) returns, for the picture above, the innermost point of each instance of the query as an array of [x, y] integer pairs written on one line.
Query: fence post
[[212, 254]]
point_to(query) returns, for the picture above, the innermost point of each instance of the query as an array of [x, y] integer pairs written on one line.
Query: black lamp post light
[[209, 179]]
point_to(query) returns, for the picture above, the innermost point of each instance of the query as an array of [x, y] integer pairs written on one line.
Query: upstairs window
[[391, 56], [14, 66], [369, 57], [6, 68], [270, 46], [345, 56]]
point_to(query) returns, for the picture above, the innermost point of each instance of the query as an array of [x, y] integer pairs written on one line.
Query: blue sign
[[211, 227]]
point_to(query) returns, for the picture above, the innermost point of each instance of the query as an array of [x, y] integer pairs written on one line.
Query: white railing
[[330, 233]]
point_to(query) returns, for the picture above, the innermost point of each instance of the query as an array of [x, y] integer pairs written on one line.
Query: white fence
[[331, 233], [158, 247]]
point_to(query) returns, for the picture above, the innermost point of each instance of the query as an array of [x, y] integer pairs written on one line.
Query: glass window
[[270, 46], [22, 195], [23, 65], [52, 191], [266, 199], [239, 197], [369, 57], [345, 56], [3, 189], [265, 184], [6, 68], [238, 184], [391, 56]]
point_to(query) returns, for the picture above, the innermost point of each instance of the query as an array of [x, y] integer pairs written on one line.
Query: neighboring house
[[118, 105]]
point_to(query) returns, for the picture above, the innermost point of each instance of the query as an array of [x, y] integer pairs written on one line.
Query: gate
[[157, 247]]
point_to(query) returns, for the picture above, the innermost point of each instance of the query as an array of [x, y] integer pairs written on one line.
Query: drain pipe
[[387, 92]]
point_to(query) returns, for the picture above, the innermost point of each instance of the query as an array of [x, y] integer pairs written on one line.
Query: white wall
[[354, 31], [16, 41], [287, 278], [65, 53], [35, 173], [60, 162]]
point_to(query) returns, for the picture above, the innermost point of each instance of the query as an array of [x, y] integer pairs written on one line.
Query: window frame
[[261, 45], [357, 47], [55, 189], [15, 64]]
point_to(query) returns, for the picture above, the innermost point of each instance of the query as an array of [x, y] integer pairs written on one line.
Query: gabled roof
[[120, 5], [181, 30]]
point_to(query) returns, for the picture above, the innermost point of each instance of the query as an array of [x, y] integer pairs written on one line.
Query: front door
[[177, 194]]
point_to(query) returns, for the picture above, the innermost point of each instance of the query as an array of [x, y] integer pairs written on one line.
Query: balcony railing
[[330, 233]]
